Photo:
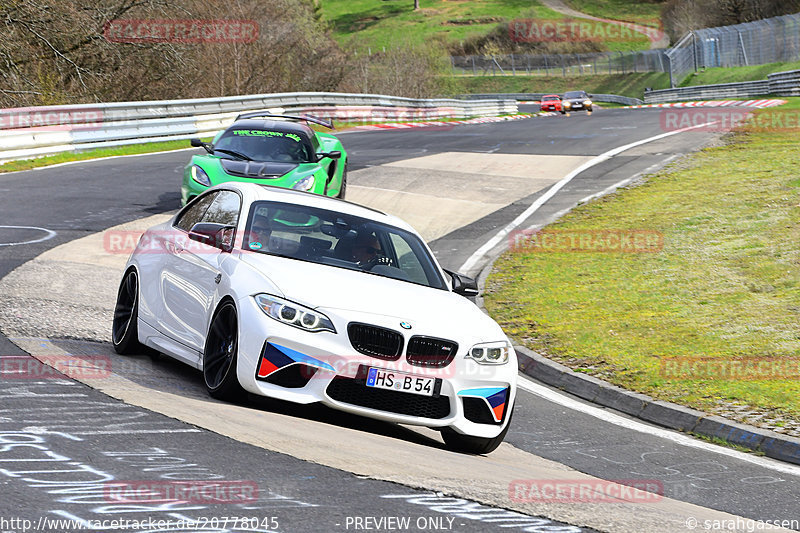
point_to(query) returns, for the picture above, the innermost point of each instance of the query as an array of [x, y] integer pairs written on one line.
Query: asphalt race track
[[314, 469]]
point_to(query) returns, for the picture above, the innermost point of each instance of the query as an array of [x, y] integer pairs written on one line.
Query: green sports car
[[279, 150]]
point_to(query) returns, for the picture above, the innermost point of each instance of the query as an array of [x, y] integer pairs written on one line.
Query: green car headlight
[[587, 102], [490, 353], [294, 314], [567, 104], [305, 183], [199, 175]]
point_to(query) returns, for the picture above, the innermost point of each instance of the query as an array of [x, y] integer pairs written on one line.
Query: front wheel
[[125, 327], [343, 186], [220, 355], [458, 442]]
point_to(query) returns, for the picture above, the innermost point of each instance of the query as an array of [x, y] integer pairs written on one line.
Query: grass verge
[[725, 287], [711, 76], [131, 149], [623, 84]]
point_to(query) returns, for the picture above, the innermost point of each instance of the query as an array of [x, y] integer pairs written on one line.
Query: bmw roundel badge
[[405, 325]]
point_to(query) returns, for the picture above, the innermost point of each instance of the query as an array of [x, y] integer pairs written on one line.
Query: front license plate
[[399, 381]]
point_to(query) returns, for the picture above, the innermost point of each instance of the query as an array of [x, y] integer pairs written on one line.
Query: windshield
[[339, 240], [263, 145], [575, 94], [550, 98]]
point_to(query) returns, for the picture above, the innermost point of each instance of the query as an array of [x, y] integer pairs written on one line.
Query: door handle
[[218, 277]]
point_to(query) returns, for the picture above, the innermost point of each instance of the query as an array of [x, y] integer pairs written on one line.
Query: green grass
[[735, 74], [623, 84], [726, 285], [375, 24], [645, 13], [143, 148]]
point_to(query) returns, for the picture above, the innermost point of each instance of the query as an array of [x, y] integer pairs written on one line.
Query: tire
[[563, 112], [220, 354], [473, 445], [125, 327], [343, 187]]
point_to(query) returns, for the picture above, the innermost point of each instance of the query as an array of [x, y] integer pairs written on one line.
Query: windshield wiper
[[233, 153]]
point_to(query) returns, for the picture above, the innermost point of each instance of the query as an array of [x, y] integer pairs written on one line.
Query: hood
[[359, 293], [256, 169]]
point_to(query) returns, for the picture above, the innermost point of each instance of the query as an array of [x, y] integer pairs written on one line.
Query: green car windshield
[[264, 145], [339, 240], [575, 94]]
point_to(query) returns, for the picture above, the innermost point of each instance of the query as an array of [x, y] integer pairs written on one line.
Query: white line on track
[[49, 234], [607, 415], [494, 241]]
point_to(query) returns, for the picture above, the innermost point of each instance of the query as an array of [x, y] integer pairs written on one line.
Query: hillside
[[375, 24]]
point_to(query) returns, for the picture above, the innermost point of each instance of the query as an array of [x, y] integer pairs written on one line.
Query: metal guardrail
[[784, 83], [610, 98], [36, 131], [779, 84]]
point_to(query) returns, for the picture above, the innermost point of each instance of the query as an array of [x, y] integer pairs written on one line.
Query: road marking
[[49, 234], [627, 423], [470, 263]]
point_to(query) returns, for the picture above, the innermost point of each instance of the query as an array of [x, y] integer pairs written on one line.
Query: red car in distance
[[552, 102]]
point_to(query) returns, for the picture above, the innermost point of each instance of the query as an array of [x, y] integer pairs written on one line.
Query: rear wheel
[[220, 355], [125, 328], [458, 442]]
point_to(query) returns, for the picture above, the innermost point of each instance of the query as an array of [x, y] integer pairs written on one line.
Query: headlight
[[305, 183], [566, 104], [199, 175], [294, 314], [587, 102], [490, 353]]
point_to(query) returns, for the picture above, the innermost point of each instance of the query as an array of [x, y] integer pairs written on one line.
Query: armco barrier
[[31, 132], [780, 84], [522, 97]]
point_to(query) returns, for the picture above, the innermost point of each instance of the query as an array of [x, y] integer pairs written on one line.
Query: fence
[[561, 64], [752, 43], [764, 41], [30, 132]]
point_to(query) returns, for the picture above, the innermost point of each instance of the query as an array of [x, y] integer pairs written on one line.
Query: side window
[[224, 209], [408, 261], [195, 213]]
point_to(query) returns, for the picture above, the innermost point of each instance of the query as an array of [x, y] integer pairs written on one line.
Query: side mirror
[[463, 285], [212, 234], [333, 155], [197, 143]]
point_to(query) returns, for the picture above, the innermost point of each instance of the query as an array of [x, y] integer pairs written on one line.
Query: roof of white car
[[253, 192]]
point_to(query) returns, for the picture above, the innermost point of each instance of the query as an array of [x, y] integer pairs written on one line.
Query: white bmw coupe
[[307, 299]]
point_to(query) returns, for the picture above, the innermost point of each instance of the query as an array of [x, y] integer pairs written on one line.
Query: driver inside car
[[260, 232], [366, 248]]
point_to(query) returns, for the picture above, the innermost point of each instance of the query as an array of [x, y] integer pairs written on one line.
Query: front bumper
[[283, 362]]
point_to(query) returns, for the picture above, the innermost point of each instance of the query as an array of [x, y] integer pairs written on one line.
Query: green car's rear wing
[[259, 114]]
